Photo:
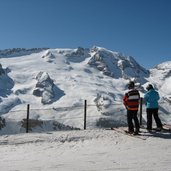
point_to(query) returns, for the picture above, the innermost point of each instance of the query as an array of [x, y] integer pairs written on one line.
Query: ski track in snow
[[84, 150]]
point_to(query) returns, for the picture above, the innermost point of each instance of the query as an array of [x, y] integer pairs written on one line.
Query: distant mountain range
[[52, 79]]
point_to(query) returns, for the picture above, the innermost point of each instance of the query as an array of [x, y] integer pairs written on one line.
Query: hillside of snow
[[86, 150], [56, 83]]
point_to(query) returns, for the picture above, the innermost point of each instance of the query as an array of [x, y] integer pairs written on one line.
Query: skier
[[131, 102], [151, 100]]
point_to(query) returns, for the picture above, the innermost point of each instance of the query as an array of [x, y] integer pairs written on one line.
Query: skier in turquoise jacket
[[151, 100]]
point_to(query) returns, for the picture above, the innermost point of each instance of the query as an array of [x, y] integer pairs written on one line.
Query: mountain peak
[[116, 65]]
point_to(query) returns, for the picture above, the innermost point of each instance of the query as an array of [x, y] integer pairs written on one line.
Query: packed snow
[[56, 83], [84, 150]]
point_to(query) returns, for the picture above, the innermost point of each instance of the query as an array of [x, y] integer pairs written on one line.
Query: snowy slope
[[55, 82], [87, 150]]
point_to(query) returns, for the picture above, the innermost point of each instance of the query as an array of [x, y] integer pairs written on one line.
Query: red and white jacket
[[131, 99]]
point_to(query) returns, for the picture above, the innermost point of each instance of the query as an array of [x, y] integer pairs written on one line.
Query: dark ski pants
[[132, 115], [153, 112]]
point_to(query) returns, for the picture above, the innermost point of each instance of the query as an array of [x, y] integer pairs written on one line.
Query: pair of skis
[[167, 127], [144, 134], [125, 132]]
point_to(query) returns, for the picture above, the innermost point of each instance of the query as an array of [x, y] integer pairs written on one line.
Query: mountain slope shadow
[[58, 93], [6, 84]]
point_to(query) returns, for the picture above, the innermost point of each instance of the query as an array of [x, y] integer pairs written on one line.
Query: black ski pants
[[153, 112], [132, 116]]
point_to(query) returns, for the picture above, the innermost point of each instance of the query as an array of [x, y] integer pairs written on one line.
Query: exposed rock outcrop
[[46, 89]]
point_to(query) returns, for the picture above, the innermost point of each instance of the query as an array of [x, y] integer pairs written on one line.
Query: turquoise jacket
[[151, 99]]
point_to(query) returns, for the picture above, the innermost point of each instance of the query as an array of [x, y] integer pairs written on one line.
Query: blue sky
[[138, 28]]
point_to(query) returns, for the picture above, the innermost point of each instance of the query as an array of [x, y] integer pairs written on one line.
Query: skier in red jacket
[[131, 101]]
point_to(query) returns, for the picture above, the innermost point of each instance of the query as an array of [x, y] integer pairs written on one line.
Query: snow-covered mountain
[[56, 83]]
